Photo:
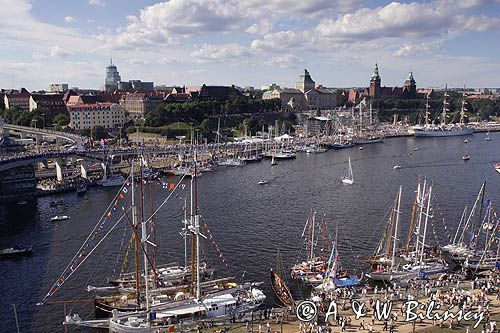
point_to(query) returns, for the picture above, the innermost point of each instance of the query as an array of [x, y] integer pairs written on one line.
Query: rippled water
[[248, 221]]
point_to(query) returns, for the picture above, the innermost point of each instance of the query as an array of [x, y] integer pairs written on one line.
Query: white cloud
[[475, 3], [20, 29], [286, 61], [168, 60], [413, 19], [196, 71], [132, 18], [211, 52], [300, 9], [78, 73], [407, 50], [97, 3], [57, 51], [481, 23], [169, 21], [135, 61], [69, 19], [285, 40], [394, 20], [260, 28]]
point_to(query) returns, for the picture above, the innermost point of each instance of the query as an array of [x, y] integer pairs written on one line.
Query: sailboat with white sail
[[466, 155], [349, 178]]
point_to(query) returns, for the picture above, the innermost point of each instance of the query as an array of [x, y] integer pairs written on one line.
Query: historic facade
[[305, 96], [19, 99], [139, 104], [407, 91], [86, 116], [377, 91], [53, 102]]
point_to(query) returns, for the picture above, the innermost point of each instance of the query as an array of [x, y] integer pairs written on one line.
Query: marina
[[234, 166], [257, 225]]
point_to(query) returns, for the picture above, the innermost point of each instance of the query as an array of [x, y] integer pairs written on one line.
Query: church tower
[[410, 86], [305, 82], [375, 81]]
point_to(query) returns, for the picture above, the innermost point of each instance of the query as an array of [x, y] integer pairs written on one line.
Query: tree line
[[39, 118], [197, 111]]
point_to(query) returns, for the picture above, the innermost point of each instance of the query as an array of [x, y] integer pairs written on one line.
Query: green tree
[[61, 119], [205, 129], [341, 97]]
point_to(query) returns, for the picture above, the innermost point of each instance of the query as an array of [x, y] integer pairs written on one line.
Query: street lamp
[[43, 120]]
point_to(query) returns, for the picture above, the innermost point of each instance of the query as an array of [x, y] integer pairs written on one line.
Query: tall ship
[[159, 297], [366, 135], [431, 130]]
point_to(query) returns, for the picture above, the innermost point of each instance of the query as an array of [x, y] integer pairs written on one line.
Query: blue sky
[[249, 42]]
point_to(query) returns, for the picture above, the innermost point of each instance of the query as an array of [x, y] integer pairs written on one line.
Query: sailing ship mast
[[312, 238], [412, 223], [427, 110], [144, 238], [420, 213], [395, 235], [429, 194], [360, 117], [445, 105], [370, 123], [463, 109], [153, 227], [185, 221], [136, 240], [195, 228]]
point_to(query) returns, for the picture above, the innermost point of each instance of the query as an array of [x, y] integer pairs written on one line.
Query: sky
[[249, 42]]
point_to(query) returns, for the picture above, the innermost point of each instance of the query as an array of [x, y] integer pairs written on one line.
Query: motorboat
[[117, 180], [60, 218], [15, 252], [231, 162], [284, 155]]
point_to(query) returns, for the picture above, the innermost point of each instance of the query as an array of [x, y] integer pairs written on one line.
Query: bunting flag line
[[214, 243], [100, 231]]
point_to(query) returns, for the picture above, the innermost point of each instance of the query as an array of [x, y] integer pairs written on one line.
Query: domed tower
[[375, 81], [410, 86]]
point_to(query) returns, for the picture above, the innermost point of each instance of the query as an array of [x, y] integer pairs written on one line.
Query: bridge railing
[[68, 136]]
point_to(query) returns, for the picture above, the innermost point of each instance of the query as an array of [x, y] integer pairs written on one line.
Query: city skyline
[[250, 43]]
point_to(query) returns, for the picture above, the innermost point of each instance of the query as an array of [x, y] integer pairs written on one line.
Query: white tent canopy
[[284, 137]]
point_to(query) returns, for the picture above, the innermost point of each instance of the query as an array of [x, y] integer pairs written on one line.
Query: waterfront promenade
[[479, 296]]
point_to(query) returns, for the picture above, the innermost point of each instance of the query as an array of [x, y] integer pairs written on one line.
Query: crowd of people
[[476, 296]]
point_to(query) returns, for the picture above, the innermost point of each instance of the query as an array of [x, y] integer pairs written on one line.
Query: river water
[[248, 221]]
